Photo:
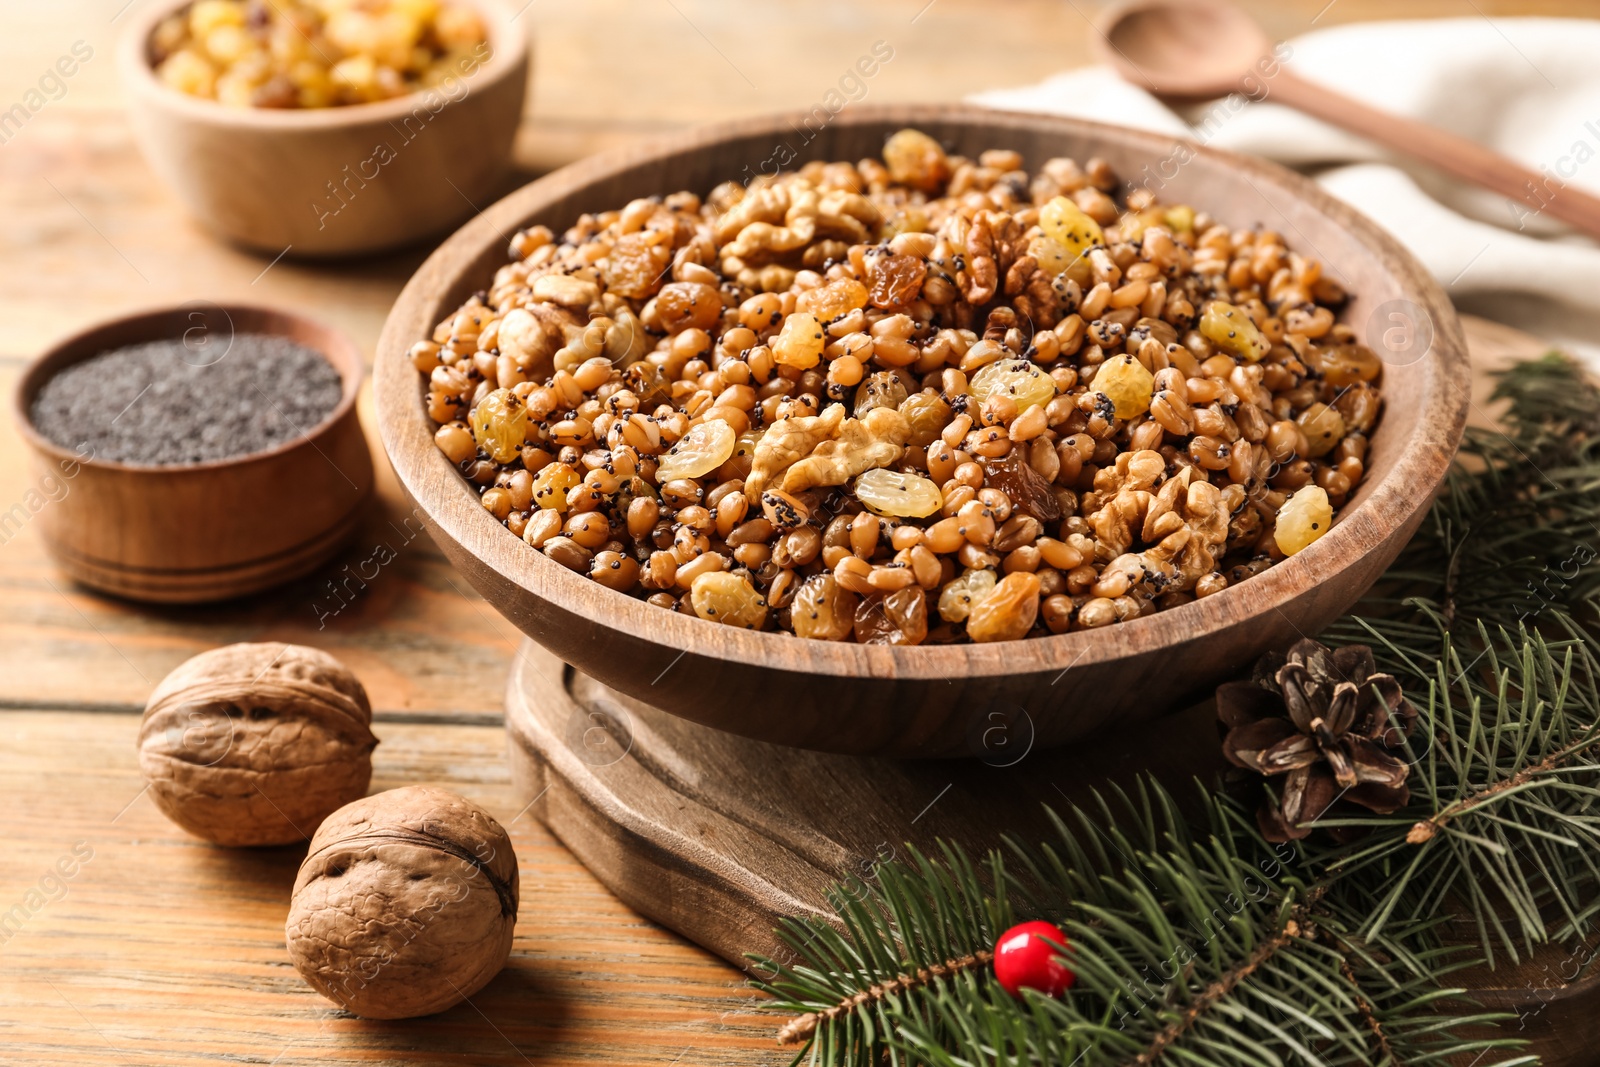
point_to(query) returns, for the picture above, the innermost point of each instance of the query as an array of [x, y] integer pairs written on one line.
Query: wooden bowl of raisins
[[276, 128], [952, 417]]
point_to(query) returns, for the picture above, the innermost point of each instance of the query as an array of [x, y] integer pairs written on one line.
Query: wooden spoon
[[1209, 48]]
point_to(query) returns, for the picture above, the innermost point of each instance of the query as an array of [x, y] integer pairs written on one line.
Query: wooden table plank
[[161, 949]]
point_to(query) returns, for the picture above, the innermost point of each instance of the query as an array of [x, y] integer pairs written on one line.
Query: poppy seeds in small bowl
[[162, 403]]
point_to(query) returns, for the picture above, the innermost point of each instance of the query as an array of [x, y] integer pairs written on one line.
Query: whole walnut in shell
[[255, 744], [405, 904]]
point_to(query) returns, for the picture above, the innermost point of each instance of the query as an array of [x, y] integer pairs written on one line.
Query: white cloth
[[1527, 87]]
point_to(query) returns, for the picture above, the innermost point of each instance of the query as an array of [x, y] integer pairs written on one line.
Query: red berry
[[1028, 956]]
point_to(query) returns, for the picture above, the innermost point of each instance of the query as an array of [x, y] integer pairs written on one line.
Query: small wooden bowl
[[204, 531], [941, 700], [331, 181]]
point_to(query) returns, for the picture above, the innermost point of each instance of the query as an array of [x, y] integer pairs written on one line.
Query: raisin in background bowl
[[928, 701]]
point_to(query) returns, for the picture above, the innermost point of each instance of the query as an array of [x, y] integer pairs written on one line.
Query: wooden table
[[162, 950]]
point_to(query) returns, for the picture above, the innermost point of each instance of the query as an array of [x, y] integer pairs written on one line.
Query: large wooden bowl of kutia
[[937, 700]]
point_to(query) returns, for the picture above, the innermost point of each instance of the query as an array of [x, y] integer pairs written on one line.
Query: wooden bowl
[[338, 180], [941, 700], [203, 531]]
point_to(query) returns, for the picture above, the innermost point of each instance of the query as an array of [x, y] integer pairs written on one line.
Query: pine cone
[[1330, 724]]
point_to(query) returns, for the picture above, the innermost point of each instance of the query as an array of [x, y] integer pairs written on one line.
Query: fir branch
[[801, 1028], [1223, 986], [1506, 775], [1187, 942], [1491, 612], [1424, 830], [1369, 1016]]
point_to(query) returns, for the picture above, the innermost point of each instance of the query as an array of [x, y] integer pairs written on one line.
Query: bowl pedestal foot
[[718, 837]]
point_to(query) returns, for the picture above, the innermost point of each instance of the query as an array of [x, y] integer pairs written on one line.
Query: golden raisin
[[917, 160], [1345, 365], [721, 596], [823, 609], [1051, 257], [799, 344], [1065, 223], [1358, 405], [1304, 517], [552, 484], [688, 305], [637, 265], [906, 496], [1323, 427], [955, 602], [1129, 385], [707, 446], [499, 424], [1007, 613], [1231, 330], [928, 414], [1025, 384], [832, 301]]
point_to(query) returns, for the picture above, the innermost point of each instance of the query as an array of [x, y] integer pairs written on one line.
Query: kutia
[[1462, 744]]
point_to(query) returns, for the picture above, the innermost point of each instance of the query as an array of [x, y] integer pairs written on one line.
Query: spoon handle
[[1530, 192]]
